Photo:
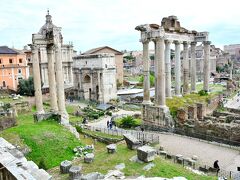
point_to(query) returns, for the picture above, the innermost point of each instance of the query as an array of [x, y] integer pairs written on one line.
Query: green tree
[[152, 79], [26, 87]]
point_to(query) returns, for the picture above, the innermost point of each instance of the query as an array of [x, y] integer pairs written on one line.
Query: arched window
[[87, 79]]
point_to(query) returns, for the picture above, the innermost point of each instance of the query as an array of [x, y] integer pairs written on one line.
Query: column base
[[147, 102], [157, 116], [40, 112], [178, 95], [64, 118], [194, 91]]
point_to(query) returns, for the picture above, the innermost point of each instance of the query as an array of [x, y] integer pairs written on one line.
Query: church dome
[[48, 26]]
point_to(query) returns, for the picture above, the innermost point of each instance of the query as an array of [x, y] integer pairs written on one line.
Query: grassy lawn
[[213, 87], [104, 162], [133, 78], [47, 140]]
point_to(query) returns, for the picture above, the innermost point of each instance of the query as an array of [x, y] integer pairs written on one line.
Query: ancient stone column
[[146, 73], [168, 68], [99, 88], [160, 74], [177, 69], [185, 68], [193, 66], [206, 69], [37, 80], [52, 80], [60, 85], [155, 72]]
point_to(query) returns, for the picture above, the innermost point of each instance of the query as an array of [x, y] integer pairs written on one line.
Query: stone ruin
[[157, 114], [13, 164]]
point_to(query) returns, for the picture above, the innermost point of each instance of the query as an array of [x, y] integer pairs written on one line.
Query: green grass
[[180, 102], [47, 140], [133, 78], [213, 87]]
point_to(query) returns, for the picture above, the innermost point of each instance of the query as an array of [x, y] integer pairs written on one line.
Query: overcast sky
[[92, 23]]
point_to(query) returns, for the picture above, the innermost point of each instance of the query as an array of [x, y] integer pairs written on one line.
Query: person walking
[[216, 166], [108, 124]]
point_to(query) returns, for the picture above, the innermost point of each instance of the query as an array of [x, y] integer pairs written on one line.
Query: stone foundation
[[44, 116], [156, 116]]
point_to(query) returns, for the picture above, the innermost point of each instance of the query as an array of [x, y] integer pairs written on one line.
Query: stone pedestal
[[88, 158], [131, 141], [201, 111], [65, 166], [146, 153], [182, 115], [156, 116], [75, 172], [192, 112], [111, 148]]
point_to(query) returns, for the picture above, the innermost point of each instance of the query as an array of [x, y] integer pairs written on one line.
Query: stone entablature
[[95, 77]]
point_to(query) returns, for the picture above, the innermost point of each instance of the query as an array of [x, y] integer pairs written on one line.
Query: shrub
[[109, 113], [79, 129], [203, 93], [129, 122]]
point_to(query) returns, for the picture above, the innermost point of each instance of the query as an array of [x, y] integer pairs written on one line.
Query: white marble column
[[60, 86], [177, 69], [206, 69], [193, 67], [168, 68], [185, 68], [37, 80], [71, 75], [161, 101], [146, 73], [52, 80], [99, 88], [155, 71]]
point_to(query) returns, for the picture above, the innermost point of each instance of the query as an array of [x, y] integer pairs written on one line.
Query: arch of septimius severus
[[170, 31], [50, 38]]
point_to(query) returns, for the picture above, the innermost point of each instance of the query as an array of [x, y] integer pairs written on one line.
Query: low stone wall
[[7, 122], [21, 107], [104, 140]]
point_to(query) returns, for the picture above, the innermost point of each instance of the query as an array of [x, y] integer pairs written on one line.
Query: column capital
[[167, 41], [145, 41], [177, 42], [193, 43], [34, 47], [206, 42], [186, 43]]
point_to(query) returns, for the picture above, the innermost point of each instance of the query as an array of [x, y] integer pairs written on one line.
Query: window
[[20, 60], [10, 61], [0, 61], [19, 71], [4, 84]]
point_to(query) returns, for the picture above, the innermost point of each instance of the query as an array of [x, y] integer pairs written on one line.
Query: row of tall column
[[56, 81], [163, 69]]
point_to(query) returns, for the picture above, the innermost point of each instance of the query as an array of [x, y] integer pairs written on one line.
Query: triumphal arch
[[170, 31]]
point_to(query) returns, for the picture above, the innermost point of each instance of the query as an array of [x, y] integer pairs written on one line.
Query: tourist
[[108, 124], [216, 166]]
